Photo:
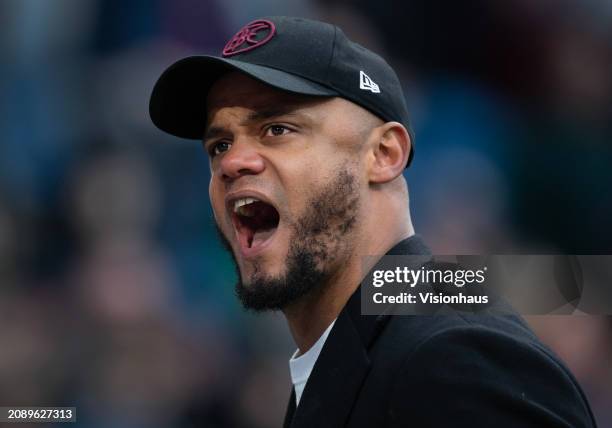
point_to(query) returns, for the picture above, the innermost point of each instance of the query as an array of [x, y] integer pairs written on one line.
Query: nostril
[[234, 175]]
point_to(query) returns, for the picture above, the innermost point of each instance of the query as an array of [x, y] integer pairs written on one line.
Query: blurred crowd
[[115, 295]]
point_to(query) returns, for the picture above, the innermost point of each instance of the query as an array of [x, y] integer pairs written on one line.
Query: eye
[[277, 130], [218, 148]]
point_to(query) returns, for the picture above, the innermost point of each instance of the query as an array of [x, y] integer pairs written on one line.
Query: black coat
[[436, 371]]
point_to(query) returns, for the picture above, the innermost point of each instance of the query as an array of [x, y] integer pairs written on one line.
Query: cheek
[[216, 200], [297, 180]]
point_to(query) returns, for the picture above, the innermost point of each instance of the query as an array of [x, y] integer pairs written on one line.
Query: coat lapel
[[335, 379], [343, 364], [290, 410]]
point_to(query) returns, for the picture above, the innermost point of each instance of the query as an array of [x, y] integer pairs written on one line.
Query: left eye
[[276, 130]]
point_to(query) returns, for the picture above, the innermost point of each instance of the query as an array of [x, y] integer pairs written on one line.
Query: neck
[[310, 316]]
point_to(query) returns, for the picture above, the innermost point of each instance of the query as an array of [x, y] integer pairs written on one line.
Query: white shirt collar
[[302, 366]]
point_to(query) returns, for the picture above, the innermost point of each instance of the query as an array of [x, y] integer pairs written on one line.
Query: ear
[[390, 148]]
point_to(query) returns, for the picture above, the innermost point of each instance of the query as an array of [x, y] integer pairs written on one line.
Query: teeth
[[240, 205]]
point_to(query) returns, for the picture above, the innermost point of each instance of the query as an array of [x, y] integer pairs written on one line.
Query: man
[[308, 137]]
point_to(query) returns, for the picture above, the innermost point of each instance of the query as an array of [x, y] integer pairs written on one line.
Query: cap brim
[[178, 100]]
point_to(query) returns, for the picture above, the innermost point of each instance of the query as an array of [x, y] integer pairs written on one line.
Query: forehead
[[237, 89]]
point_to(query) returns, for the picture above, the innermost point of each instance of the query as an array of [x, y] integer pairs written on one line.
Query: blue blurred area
[[116, 295]]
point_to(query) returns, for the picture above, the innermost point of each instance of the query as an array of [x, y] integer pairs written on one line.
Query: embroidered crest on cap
[[251, 36]]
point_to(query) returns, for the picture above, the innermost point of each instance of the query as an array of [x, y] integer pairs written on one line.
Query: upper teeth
[[242, 202]]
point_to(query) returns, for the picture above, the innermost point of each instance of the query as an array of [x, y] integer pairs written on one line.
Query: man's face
[[285, 187]]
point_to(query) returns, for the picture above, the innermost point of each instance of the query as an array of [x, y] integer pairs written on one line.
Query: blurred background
[[115, 295]]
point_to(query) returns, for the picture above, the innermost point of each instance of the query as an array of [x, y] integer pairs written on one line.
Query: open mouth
[[255, 221]]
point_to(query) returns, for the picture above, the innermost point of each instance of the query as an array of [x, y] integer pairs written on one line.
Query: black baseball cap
[[291, 54]]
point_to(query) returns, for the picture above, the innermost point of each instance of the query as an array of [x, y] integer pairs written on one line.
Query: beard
[[317, 242]]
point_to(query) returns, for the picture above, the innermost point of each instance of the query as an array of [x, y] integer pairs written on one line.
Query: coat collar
[[343, 363]]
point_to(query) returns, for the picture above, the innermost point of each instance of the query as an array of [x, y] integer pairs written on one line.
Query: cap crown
[[322, 53]]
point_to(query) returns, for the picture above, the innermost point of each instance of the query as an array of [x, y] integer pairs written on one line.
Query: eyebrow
[[213, 132], [254, 117], [269, 113]]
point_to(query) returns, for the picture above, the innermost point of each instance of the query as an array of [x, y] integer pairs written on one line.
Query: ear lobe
[[390, 153]]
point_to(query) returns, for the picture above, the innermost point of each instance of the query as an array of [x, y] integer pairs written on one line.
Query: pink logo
[[246, 39]]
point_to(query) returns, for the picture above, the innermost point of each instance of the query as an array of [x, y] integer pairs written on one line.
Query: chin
[[268, 266]]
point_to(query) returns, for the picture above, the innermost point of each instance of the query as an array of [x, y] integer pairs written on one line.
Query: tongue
[[260, 236], [260, 224]]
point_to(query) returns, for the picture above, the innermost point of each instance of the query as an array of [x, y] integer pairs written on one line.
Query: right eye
[[218, 148]]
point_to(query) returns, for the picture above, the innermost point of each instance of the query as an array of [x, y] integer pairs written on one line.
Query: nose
[[241, 159]]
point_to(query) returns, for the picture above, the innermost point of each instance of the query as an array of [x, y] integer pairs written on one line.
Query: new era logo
[[367, 84]]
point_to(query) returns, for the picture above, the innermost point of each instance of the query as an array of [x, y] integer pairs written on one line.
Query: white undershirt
[[301, 366]]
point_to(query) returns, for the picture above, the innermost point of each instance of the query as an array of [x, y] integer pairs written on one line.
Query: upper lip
[[231, 197]]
